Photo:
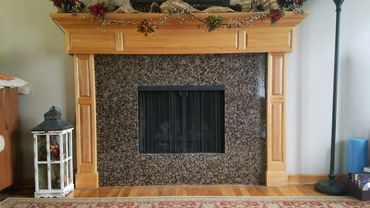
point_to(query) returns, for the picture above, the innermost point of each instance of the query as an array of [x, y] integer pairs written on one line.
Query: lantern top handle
[[54, 113]]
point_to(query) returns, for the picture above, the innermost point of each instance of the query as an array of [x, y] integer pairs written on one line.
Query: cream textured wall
[[310, 84], [32, 46], [34, 50]]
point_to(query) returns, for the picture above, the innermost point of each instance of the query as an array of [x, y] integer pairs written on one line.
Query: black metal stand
[[331, 186]]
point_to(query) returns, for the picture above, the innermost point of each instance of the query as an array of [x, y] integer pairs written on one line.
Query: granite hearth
[[117, 80]]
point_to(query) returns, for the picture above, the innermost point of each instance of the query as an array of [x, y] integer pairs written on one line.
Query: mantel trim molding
[[83, 35], [84, 39]]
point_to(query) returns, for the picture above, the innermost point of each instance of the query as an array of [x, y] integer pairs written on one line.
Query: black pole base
[[331, 187]]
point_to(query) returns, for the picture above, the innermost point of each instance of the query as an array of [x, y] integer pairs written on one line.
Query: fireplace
[[181, 119], [227, 90], [84, 40]]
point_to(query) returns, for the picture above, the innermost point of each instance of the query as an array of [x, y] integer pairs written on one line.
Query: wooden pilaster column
[[87, 175], [276, 174]]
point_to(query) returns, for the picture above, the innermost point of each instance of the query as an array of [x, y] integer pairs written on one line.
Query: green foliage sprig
[[213, 22]]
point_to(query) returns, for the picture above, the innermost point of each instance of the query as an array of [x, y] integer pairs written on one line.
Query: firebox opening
[[181, 119]]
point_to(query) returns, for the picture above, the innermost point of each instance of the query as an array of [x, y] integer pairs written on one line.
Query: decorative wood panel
[[277, 76], [179, 41], [276, 145], [91, 40], [119, 41], [85, 122], [87, 175], [84, 78], [242, 40], [276, 39], [277, 114]]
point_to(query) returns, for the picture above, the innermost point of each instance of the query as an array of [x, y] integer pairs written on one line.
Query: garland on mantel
[[147, 26]]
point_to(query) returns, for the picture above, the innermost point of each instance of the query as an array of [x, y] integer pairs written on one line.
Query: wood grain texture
[[277, 116], [277, 76], [242, 40], [84, 77], [119, 41], [195, 190], [299, 185], [91, 40], [9, 127], [310, 179], [87, 175], [84, 37], [85, 122], [276, 145]]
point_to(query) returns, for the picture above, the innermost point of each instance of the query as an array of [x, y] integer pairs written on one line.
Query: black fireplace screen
[[181, 119]]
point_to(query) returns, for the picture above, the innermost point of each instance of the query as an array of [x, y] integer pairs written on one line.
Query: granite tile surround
[[117, 80]]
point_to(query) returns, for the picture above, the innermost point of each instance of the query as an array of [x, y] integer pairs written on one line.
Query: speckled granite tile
[[117, 80]]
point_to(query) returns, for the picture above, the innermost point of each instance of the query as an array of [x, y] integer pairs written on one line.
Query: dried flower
[[276, 14], [298, 2], [98, 10], [145, 27], [57, 3]]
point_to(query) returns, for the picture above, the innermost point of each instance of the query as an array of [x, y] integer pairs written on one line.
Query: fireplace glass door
[[181, 119]]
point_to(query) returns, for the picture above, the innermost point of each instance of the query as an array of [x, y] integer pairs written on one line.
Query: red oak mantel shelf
[[84, 37]]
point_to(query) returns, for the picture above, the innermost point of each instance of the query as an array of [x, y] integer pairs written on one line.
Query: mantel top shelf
[[69, 20]]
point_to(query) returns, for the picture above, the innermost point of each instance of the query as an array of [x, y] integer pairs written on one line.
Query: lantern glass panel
[[41, 148], [43, 176], [65, 146], [70, 144], [55, 176], [66, 169], [54, 147], [70, 171]]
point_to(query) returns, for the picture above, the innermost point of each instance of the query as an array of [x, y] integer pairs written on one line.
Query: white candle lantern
[[53, 156]]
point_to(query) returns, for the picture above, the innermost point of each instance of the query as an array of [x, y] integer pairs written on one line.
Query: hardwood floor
[[195, 190], [178, 190]]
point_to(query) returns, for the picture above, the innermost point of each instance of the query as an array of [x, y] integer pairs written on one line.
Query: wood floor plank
[[286, 191], [113, 193], [123, 192], [271, 192], [244, 191], [180, 191], [255, 191], [277, 192]]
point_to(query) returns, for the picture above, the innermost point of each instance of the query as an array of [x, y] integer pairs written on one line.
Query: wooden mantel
[[83, 38]]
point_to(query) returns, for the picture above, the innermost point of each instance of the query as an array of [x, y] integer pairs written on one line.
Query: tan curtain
[[267, 4]]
